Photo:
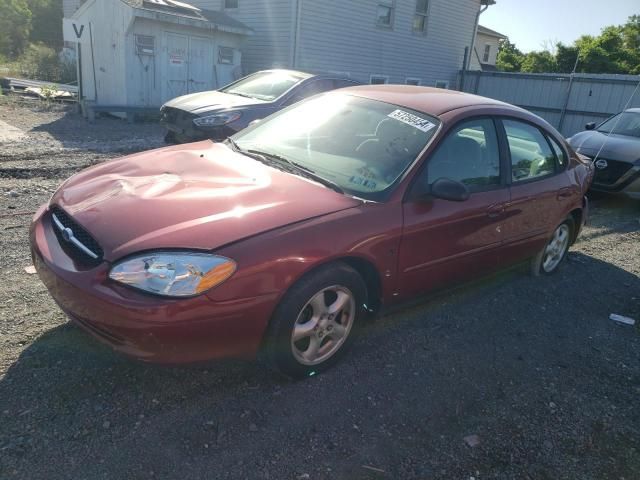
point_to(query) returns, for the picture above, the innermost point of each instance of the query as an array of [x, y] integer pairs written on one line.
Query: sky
[[531, 23]]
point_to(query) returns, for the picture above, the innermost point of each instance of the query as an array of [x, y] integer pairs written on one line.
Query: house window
[[225, 55], [145, 45], [379, 79], [421, 16], [413, 81], [385, 12], [487, 52], [230, 3], [340, 74], [442, 84]]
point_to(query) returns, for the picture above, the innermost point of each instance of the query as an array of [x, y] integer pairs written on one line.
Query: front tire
[[555, 251], [316, 321]]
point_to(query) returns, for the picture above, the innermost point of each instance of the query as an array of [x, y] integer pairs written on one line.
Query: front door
[[445, 241]]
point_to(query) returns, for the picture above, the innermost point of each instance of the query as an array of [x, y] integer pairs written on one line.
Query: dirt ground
[[532, 366]]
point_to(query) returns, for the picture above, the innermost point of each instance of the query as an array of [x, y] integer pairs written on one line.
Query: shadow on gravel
[[533, 366], [106, 134]]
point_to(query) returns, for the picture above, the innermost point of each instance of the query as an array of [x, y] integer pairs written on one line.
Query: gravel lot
[[532, 366]]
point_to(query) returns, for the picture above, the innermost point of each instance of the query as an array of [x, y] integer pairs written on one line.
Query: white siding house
[[485, 51], [421, 42], [149, 52], [401, 41]]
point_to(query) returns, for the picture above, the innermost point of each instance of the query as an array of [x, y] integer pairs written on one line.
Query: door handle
[[494, 211], [564, 193]]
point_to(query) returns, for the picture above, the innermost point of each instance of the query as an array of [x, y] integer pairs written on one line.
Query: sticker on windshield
[[411, 119]]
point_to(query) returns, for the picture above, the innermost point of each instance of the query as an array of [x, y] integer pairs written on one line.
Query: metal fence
[[566, 101]]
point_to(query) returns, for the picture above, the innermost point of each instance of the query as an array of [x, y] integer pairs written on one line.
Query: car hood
[[209, 101], [197, 196], [617, 147]]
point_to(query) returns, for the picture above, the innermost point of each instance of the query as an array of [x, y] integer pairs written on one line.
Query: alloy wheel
[[323, 325], [556, 248]]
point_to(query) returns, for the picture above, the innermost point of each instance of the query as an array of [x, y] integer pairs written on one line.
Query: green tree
[[15, 26], [615, 50], [599, 54], [509, 57], [46, 22], [566, 57], [539, 62]]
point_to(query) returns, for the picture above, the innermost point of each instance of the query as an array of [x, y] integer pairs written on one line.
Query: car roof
[[297, 73], [306, 75], [433, 101]]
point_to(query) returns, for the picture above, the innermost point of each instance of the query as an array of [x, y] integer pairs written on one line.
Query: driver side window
[[469, 155]]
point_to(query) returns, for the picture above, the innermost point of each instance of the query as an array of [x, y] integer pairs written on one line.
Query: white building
[[485, 49], [421, 42], [140, 53]]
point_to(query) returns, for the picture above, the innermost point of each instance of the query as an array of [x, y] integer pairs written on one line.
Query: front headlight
[[173, 274], [217, 119]]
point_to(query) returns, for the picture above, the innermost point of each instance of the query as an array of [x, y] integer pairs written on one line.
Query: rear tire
[[316, 321], [555, 251]]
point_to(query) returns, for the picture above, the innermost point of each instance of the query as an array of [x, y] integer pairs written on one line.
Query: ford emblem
[[67, 234]]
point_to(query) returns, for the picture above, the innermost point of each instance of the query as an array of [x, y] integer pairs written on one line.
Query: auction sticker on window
[[411, 119]]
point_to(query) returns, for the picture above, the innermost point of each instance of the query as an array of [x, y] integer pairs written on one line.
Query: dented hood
[[198, 196]]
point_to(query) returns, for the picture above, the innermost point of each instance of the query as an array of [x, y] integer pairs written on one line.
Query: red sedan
[[286, 236]]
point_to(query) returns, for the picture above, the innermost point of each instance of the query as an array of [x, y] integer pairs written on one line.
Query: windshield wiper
[[306, 171], [240, 94], [251, 154]]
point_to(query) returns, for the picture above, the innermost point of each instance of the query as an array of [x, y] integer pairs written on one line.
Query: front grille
[[176, 116], [169, 114], [612, 173], [82, 247]]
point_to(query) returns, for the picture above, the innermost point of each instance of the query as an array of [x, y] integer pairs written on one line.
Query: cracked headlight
[[173, 274]]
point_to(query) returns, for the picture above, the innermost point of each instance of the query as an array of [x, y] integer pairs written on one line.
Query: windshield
[[265, 86], [363, 146], [625, 123]]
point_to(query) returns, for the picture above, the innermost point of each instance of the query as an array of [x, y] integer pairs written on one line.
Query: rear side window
[[310, 89], [531, 155], [560, 154], [469, 155]]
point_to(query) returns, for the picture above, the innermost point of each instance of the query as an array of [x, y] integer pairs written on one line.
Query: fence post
[[566, 104], [477, 87], [464, 68]]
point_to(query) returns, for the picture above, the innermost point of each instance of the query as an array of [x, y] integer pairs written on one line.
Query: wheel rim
[[323, 325], [556, 248]]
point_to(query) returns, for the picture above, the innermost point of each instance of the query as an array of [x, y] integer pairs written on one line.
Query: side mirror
[[448, 189], [590, 126]]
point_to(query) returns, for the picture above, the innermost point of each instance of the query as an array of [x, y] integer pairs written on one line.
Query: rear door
[[538, 186], [444, 241]]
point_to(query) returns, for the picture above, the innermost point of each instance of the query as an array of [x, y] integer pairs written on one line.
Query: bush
[[40, 62]]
